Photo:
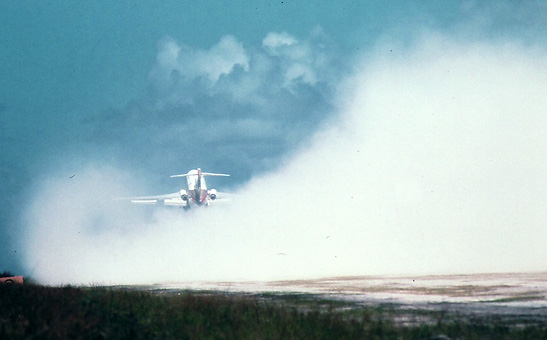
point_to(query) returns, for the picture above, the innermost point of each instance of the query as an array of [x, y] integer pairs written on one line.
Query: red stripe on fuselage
[[203, 195]]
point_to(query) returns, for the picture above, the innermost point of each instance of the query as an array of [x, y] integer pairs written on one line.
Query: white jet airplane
[[197, 192]]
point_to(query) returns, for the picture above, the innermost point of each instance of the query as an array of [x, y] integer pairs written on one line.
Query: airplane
[[197, 192]]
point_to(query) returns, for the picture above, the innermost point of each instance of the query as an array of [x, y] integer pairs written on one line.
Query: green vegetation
[[32, 311]]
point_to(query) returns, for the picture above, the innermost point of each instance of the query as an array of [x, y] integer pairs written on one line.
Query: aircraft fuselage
[[197, 187]]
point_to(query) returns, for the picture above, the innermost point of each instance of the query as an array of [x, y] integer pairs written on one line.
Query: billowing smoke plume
[[434, 162]]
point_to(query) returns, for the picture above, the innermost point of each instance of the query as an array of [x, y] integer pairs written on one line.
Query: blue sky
[[238, 87]]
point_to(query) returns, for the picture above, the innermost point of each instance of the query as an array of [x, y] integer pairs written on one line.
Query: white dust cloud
[[435, 163]]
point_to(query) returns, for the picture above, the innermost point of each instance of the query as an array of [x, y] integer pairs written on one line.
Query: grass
[[33, 311]]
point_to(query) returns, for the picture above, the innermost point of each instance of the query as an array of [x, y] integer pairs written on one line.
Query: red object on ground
[[12, 279]]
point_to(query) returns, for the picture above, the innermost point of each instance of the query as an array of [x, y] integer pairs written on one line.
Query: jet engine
[[183, 195], [213, 194]]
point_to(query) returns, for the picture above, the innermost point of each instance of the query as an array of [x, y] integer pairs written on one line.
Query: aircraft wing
[[174, 199], [168, 199], [222, 197]]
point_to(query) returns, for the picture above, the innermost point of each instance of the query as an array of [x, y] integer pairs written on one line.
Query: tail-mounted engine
[[183, 195], [213, 194]]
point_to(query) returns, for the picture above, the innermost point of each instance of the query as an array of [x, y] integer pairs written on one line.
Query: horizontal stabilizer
[[212, 174], [203, 174]]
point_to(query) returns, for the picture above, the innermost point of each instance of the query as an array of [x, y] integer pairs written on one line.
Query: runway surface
[[503, 294]]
